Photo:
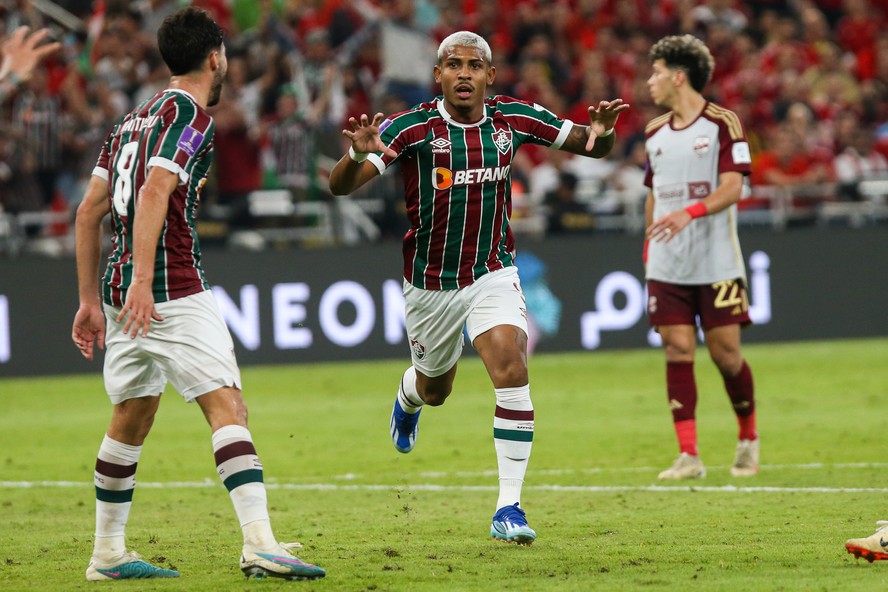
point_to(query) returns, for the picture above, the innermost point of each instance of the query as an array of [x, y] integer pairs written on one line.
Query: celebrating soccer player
[[697, 157], [456, 153], [163, 323]]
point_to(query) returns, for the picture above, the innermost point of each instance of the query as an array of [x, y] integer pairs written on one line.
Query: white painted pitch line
[[596, 470], [208, 483]]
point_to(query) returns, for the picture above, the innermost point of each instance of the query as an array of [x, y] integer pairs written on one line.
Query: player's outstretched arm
[[596, 139], [352, 170]]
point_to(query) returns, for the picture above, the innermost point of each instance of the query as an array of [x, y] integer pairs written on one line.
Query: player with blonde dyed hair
[[456, 153]]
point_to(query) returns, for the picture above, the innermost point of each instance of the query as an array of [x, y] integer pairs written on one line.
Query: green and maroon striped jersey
[[458, 184], [172, 131]]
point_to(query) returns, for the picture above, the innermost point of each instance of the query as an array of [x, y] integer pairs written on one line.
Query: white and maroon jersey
[[458, 185], [172, 131], [683, 167]]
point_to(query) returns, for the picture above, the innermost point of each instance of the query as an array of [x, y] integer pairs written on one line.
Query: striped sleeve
[[533, 123], [188, 134], [102, 168], [403, 133]]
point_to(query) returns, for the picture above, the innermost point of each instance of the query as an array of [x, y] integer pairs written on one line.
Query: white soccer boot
[[686, 466], [873, 547], [746, 459]]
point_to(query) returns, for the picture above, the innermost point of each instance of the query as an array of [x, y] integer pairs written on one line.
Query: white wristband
[[359, 156], [607, 133]]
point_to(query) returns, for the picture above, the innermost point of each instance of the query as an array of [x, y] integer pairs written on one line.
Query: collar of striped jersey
[[449, 119], [181, 92]]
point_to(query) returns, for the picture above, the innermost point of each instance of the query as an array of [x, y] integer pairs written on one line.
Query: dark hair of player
[[685, 52], [186, 38]]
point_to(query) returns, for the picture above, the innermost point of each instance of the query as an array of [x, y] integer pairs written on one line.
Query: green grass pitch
[[380, 520]]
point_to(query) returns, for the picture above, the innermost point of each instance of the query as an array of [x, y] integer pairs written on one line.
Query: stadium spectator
[[460, 272], [786, 162], [37, 118], [22, 52], [156, 314], [762, 69], [565, 212], [237, 140], [697, 159], [288, 153], [859, 161], [626, 182]]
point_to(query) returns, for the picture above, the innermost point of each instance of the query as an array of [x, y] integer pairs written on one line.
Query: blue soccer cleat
[[510, 526], [404, 427], [278, 563], [129, 566]]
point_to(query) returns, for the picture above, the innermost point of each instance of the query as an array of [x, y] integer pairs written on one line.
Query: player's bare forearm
[[728, 192], [88, 238], [151, 212], [578, 138], [348, 175]]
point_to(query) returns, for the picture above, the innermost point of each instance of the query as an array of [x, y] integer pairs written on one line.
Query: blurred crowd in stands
[[809, 79]]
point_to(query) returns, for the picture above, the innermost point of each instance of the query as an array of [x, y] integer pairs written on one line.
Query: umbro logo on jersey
[[440, 146]]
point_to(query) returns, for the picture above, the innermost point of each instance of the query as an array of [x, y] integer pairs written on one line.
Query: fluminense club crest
[[418, 349], [503, 140]]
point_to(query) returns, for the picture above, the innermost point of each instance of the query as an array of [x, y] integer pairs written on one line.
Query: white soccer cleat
[[873, 547], [278, 563], [686, 466], [746, 459]]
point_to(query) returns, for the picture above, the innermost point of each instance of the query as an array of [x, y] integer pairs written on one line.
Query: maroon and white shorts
[[719, 304]]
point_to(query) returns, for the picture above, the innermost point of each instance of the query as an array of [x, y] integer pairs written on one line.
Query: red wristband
[[644, 252], [697, 210]]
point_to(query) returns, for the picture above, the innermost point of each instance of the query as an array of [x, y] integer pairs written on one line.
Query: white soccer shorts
[[435, 318], [191, 348]]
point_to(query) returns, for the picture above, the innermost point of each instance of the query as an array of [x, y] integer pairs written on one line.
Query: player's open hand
[[88, 329], [22, 52], [668, 226], [138, 310], [603, 118], [365, 135]]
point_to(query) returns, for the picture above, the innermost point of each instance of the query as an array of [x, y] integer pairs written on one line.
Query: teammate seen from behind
[[154, 311], [697, 157], [455, 153]]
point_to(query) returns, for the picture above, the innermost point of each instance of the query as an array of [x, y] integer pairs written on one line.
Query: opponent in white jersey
[[697, 157]]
